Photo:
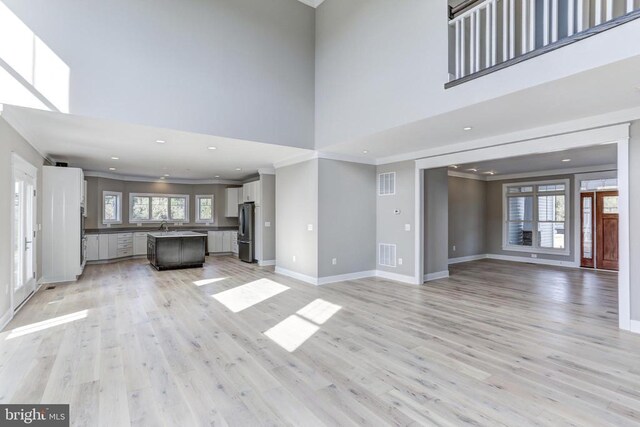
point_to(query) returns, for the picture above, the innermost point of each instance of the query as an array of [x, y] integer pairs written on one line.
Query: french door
[[23, 230]]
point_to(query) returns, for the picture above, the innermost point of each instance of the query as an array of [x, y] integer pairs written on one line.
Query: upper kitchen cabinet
[[233, 197], [251, 192]]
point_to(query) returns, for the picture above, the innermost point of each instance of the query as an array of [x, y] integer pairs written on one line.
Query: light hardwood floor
[[496, 344]]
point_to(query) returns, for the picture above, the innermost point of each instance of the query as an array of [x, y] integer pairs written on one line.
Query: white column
[[570, 17], [545, 22], [554, 21]]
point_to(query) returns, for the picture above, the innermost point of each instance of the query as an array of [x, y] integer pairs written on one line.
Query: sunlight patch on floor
[[319, 311], [46, 324], [292, 332], [245, 296], [205, 282]]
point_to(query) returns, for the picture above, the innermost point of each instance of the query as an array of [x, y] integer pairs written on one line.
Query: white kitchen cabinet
[[93, 247], [234, 242], [113, 246], [103, 246], [251, 192], [226, 241], [233, 196], [125, 245], [139, 243]]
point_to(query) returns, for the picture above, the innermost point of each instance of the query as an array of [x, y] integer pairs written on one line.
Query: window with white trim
[[536, 217], [111, 207], [204, 209], [158, 208]]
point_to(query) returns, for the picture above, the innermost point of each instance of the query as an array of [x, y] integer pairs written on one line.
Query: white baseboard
[[5, 319], [634, 326], [467, 258], [298, 276], [437, 275], [396, 277], [345, 277], [540, 261], [267, 262]]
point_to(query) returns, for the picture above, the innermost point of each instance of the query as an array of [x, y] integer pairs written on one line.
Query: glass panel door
[[24, 273], [586, 230]]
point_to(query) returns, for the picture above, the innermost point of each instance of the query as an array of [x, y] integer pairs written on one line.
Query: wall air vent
[[387, 184], [387, 255]]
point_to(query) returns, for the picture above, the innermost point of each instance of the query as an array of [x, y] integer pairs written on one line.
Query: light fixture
[[467, 128], [473, 170], [490, 172], [566, 160], [238, 169], [160, 141], [115, 158], [112, 169], [454, 166], [365, 152], [166, 174], [217, 176], [162, 177], [211, 148]]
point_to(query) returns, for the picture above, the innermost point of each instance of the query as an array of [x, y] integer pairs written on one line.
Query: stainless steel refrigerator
[[246, 232]]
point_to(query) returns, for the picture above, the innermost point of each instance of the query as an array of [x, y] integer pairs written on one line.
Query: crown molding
[[266, 171], [168, 181]]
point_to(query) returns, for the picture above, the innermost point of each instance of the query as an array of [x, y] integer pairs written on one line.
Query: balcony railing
[[485, 34]]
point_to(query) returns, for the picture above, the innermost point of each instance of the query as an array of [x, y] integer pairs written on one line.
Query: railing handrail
[[477, 5], [466, 4]]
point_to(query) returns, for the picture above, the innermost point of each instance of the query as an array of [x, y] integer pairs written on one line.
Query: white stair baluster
[[512, 29], [554, 21], [570, 17], [545, 22], [532, 25], [629, 6], [472, 44], [463, 53], [505, 30], [580, 16], [494, 32], [478, 55], [609, 10], [487, 35], [458, 53], [523, 24], [598, 13]]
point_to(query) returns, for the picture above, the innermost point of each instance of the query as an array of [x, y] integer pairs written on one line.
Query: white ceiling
[[90, 143], [581, 158], [312, 3], [603, 90]]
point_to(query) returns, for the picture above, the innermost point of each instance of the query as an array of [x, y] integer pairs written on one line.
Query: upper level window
[[111, 207], [536, 217], [158, 208], [204, 209]]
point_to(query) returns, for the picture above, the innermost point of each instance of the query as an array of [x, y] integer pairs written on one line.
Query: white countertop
[[163, 234]]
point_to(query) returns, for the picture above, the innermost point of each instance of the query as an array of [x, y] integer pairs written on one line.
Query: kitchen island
[[176, 249]]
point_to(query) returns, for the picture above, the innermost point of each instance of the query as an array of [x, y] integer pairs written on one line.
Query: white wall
[[436, 221], [236, 68], [12, 142], [381, 64]]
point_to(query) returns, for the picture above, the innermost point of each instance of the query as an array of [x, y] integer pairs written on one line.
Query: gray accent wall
[[346, 217], [96, 185], [467, 217], [390, 227], [268, 206], [297, 208], [436, 220], [634, 216], [494, 219], [233, 68], [12, 142]]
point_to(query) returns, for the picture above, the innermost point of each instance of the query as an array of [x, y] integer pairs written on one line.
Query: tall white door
[[23, 230]]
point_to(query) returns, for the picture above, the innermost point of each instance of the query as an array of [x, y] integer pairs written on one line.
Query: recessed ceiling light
[[467, 128], [112, 169], [364, 152], [217, 176], [162, 177], [566, 160], [211, 148], [473, 170], [115, 158], [490, 173], [160, 141], [454, 166], [238, 169], [166, 174]]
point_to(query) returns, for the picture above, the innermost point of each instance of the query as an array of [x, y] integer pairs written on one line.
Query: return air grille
[[387, 255], [387, 184]]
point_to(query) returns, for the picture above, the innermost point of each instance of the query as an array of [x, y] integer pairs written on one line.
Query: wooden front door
[[607, 230], [587, 211]]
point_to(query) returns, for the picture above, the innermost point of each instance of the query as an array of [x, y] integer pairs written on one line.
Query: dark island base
[[170, 252], [179, 267]]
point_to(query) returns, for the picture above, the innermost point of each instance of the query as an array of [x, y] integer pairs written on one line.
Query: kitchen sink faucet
[[164, 226]]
